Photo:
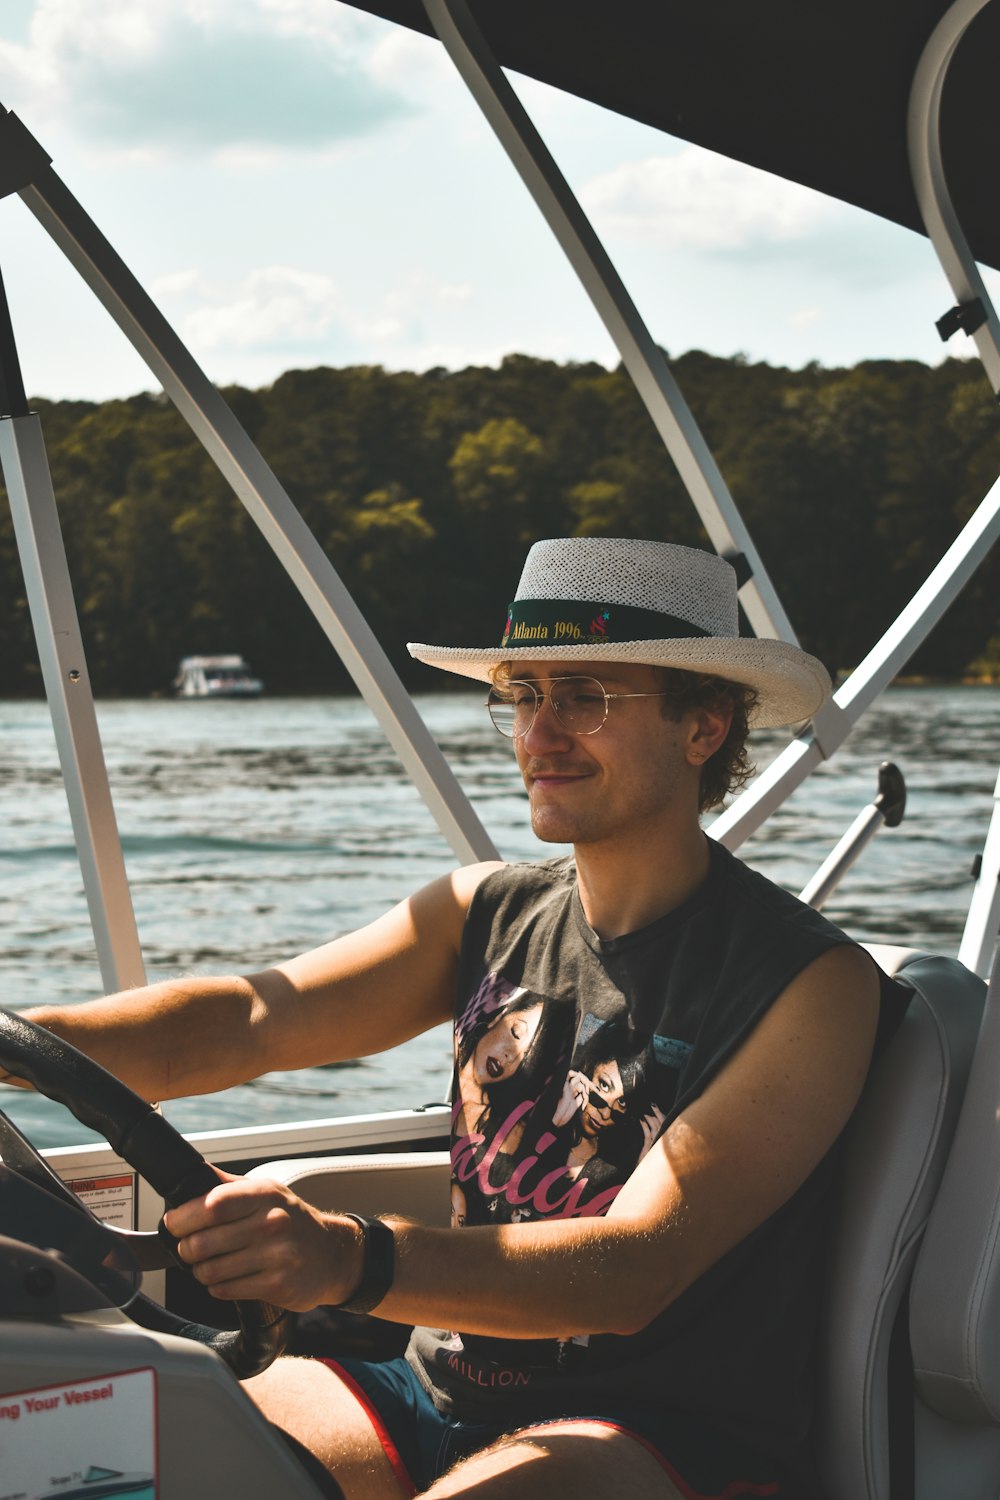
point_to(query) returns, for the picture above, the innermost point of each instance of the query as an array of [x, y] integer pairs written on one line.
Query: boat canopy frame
[[25, 169]]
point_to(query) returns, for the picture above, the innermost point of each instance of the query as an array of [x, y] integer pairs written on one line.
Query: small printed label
[[94, 1438], [110, 1199]]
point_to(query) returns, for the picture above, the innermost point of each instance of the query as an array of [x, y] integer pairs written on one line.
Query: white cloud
[[273, 308], [184, 75], [806, 317], [174, 284], [381, 330], [341, 25], [417, 69], [455, 293], [296, 314], [697, 200], [412, 64], [414, 310], [29, 78]]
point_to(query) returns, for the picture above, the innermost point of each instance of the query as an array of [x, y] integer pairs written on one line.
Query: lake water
[[254, 830]]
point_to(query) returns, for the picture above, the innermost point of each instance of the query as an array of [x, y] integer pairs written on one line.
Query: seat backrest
[[955, 1299], [898, 1145]]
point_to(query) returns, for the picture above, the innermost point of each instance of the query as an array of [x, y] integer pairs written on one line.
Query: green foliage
[[425, 491]]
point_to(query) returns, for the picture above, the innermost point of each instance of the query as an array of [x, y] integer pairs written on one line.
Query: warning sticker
[[110, 1199], [93, 1438]]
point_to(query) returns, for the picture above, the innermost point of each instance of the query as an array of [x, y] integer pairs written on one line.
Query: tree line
[[426, 489]]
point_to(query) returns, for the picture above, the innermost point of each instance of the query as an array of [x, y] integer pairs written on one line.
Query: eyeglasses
[[607, 1106], [579, 703]]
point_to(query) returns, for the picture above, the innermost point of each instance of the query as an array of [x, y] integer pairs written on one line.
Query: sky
[[298, 184]]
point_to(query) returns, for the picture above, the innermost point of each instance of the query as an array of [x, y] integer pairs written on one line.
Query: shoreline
[[904, 681]]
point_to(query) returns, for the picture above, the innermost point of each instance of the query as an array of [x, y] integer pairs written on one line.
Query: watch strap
[[378, 1264]]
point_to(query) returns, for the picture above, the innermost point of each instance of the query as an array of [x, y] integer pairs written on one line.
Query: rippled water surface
[[255, 830]]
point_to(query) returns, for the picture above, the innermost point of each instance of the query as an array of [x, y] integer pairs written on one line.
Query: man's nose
[[545, 729]]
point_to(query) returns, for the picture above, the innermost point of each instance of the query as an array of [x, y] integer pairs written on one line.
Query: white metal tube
[[840, 859], [979, 939], [930, 185], [885, 660], [982, 927], [640, 354], [312, 572], [71, 703], [767, 792], [915, 622]]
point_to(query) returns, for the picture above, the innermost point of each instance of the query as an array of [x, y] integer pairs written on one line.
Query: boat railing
[[884, 811]]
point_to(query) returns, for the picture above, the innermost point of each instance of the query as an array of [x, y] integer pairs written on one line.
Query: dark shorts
[[421, 1444]]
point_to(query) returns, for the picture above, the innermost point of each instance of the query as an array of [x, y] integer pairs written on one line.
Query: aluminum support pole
[[67, 686], [769, 790], [215, 426], [887, 808], [644, 361], [816, 891], [884, 662], [914, 624], [982, 927], [927, 168]]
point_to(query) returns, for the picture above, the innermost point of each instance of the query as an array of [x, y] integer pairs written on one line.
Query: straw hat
[[611, 599]]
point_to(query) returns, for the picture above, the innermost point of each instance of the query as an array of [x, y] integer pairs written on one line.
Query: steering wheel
[[168, 1162]]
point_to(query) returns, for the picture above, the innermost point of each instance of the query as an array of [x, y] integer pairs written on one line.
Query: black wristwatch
[[378, 1250]]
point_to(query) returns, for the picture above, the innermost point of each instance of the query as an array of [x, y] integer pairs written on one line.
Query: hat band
[[573, 622]]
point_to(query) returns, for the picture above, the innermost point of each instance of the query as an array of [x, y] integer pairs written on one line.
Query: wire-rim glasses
[[580, 704]]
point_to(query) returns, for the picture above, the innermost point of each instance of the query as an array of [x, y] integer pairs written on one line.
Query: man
[[656, 1051]]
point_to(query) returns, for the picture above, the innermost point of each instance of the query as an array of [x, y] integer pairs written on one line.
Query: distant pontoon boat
[[216, 677]]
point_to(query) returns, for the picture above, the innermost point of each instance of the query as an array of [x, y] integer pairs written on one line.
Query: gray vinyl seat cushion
[[898, 1146], [955, 1319]]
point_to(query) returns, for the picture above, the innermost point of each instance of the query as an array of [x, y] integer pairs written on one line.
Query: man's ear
[[707, 730]]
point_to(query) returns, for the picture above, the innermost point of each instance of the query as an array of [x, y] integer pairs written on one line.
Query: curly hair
[[730, 768]]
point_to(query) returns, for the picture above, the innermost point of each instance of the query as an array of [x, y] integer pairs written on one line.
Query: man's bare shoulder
[[437, 911], [467, 879]]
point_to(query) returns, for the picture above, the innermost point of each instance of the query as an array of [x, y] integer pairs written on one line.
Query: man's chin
[[553, 823], [553, 830]]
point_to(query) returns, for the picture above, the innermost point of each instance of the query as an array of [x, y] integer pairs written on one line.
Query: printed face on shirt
[[605, 1104], [501, 1051]]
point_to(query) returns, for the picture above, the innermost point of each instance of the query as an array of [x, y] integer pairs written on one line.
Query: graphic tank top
[[572, 1054]]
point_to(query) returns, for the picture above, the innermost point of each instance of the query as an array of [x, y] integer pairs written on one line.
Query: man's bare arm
[[356, 995], [734, 1156]]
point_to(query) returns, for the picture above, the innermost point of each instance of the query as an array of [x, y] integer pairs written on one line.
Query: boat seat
[[955, 1300], [412, 1183], [901, 1161]]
